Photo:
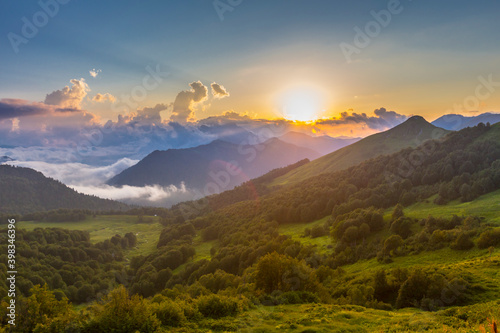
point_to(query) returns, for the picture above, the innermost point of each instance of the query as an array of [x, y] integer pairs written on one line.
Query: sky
[[97, 85], [424, 58]]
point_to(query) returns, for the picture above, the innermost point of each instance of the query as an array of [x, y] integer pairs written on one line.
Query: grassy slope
[[106, 226], [485, 271], [487, 206], [409, 134], [316, 318]]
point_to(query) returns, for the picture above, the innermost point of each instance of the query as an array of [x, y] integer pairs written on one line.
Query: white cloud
[[77, 173], [154, 194], [69, 98], [94, 72]]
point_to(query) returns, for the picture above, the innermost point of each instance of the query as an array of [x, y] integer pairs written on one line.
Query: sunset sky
[[270, 56]]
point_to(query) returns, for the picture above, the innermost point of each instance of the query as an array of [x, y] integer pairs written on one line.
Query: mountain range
[[455, 122], [214, 167], [322, 144], [412, 133]]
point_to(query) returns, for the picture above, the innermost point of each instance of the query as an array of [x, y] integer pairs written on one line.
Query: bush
[[216, 306], [169, 313], [489, 238], [298, 297], [463, 242], [318, 231]]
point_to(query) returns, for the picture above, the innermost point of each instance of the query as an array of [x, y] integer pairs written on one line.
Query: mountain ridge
[[25, 190], [200, 166], [411, 133]]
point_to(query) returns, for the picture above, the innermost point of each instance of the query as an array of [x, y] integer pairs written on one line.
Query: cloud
[[148, 195], [382, 120], [78, 173], [94, 72], [183, 111], [69, 97], [90, 180], [15, 108], [101, 98], [218, 91]]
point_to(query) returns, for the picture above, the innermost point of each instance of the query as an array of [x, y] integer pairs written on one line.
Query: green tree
[[392, 243], [119, 312], [402, 227], [381, 289], [463, 242], [42, 312], [283, 273], [397, 212]]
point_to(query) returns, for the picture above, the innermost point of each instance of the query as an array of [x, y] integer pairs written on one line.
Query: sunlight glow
[[301, 104]]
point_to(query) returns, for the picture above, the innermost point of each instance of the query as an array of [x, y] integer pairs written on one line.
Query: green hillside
[[371, 248], [411, 133]]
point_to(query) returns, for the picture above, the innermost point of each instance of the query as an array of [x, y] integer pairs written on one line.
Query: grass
[[103, 227], [487, 206], [316, 318], [296, 232]]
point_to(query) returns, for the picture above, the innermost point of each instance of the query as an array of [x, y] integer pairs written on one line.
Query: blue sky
[[427, 59]]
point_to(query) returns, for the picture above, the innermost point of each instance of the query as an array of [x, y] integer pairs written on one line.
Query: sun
[[301, 104]]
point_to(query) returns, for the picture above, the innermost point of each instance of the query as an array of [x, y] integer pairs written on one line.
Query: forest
[[361, 212]]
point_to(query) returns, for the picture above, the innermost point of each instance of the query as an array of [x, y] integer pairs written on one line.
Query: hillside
[[411, 133], [25, 190], [208, 164], [456, 122], [373, 247], [322, 144]]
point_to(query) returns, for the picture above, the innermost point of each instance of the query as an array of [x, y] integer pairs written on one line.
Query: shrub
[[463, 242], [216, 306], [169, 313], [318, 231], [489, 238], [298, 297]]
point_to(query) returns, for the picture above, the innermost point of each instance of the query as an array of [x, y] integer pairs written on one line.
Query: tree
[[402, 227], [463, 242], [119, 312], [380, 286], [279, 272], [392, 243], [413, 289], [42, 312], [397, 212]]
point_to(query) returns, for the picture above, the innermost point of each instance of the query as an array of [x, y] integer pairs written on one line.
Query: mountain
[[212, 168], [5, 158], [230, 133], [411, 133], [322, 144], [25, 190], [455, 122]]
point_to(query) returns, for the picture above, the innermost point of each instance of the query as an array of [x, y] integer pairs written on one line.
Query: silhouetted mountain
[[4, 159], [214, 167], [455, 122], [411, 133], [25, 190], [322, 144], [230, 133]]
